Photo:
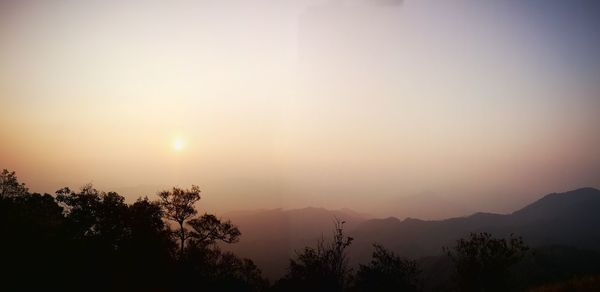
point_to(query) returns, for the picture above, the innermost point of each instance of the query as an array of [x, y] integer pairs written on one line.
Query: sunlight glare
[[178, 144]]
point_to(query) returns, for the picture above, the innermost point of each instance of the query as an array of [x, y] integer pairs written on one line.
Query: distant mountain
[[571, 219], [424, 205], [270, 237]]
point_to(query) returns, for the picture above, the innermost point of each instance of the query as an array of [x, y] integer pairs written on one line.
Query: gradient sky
[[418, 107]]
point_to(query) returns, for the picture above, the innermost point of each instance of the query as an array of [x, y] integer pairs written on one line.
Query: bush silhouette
[[387, 272], [324, 268], [482, 262]]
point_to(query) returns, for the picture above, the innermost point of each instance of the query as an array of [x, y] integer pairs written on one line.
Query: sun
[[178, 144]]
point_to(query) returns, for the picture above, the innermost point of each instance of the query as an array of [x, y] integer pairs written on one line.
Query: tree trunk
[[182, 239]]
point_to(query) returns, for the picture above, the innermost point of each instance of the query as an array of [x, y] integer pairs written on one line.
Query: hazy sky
[[374, 105]]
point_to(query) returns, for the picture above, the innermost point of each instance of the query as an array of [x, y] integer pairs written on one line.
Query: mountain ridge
[[271, 237]]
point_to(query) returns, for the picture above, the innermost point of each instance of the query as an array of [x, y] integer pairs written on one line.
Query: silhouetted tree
[[98, 215], [178, 205], [482, 262], [98, 233], [324, 268], [387, 272], [150, 249], [235, 274], [31, 230], [208, 229], [200, 258], [89, 240], [214, 270], [10, 186]]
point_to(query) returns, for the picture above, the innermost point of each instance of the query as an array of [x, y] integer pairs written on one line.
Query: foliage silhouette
[[108, 237], [482, 262], [89, 240], [324, 268], [214, 270], [387, 272], [178, 205], [31, 244], [10, 186], [208, 229]]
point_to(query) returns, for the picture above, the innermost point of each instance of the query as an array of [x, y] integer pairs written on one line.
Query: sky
[[417, 108]]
